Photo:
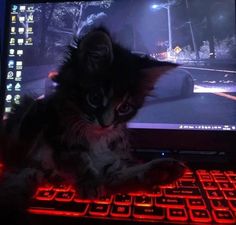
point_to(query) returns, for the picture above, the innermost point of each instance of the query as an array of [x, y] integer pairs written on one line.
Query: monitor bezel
[[194, 140]]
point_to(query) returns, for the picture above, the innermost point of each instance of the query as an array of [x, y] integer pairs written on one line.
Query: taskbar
[[208, 127]]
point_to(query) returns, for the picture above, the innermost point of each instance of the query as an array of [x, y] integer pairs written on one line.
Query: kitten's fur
[[78, 134]]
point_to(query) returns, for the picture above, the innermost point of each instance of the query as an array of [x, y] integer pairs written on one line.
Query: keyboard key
[[105, 199], [230, 195], [64, 196], [223, 216], [143, 201], [123, 199], [169, 202], [148, 213], [77, 198], [173, 185], [220, 204], [220, 178], [187, 184], [195, 203], [183, 193], [232, 204], [156, 193], [38, 204], [226, 186], [58, 208], [99, 209], [120, 211], [214, 194], [230, 172], [61, 187], [188, 177], [46, 187], [176, 214], [75, 209], [188, 171], [216, 172], [205, 177], [45, 195], [200, 215], [209, 185], [232, 178], [202, 172]]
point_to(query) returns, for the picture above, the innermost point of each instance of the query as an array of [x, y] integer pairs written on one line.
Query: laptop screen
[[199, 35]]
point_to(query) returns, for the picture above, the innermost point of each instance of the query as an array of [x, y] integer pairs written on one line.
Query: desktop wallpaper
[[199, 35]]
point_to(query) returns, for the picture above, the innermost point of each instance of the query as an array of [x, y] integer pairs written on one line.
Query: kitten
[[78, 134]]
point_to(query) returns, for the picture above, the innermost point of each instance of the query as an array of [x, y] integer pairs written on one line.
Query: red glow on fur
[[1, 168], [97, 130]]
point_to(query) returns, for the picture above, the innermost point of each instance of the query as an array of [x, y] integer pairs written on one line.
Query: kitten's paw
[[91, 192], [89, 185], [164, 171]]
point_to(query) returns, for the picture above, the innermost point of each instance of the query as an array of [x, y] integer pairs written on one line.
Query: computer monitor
[[192, 107]]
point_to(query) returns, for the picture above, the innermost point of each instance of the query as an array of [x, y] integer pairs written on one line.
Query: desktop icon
[[22, 19], [13, 19], [18, 76], [30, 8], [8, 98], [22, 8], [30, 30], [17, 87], [20, 41], [17, 99], [12, 41], [9, 87], [13, 30], [19, 52], [19, 65], [14, 8], [12, 52], [30, 17], [29, 41], [11, 64], [7, 109], [10, 75], [21, 30]]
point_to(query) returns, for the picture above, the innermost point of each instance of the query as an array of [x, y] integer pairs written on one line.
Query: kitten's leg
[[15, 192], [89, 181], [145, 177]]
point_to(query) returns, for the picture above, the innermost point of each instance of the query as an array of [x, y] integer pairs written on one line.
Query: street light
[[167, 7]]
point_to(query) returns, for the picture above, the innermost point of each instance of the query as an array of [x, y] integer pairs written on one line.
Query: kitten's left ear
[[151, 70]]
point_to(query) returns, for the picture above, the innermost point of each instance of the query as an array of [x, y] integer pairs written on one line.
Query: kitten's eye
[[124, 109], [95, 99]]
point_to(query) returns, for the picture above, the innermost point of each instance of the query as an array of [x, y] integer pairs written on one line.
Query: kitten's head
[[105, 82]]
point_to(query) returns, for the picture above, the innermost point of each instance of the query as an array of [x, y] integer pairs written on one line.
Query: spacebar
[[58, 208]]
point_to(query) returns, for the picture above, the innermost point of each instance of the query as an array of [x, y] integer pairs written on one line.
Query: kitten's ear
[[151, 70], [95, 50]]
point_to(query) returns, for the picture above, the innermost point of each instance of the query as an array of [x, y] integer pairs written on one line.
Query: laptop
[[190, 116]]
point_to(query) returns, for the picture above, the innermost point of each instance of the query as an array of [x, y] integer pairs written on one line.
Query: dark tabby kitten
[[78, 134]]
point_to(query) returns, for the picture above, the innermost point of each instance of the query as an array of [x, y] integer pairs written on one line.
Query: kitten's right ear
[[95, 51], [151, 71]]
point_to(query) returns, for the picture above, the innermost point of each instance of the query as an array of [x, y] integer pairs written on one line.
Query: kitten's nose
[[106, 119], [104, 125]]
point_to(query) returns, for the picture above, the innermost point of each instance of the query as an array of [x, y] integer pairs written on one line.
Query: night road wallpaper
[[198, 35]]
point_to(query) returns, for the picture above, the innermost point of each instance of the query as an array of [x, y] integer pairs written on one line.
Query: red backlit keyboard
[[202, 196]]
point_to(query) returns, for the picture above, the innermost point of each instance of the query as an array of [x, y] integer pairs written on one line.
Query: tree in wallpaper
[[56, 24]]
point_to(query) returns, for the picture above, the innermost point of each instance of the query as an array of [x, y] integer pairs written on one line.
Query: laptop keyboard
[[201, 196]]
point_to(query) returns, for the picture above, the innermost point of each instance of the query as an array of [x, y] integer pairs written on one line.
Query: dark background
[[2, 15]]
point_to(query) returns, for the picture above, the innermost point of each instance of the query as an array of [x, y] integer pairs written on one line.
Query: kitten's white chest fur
[[100, 153]]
